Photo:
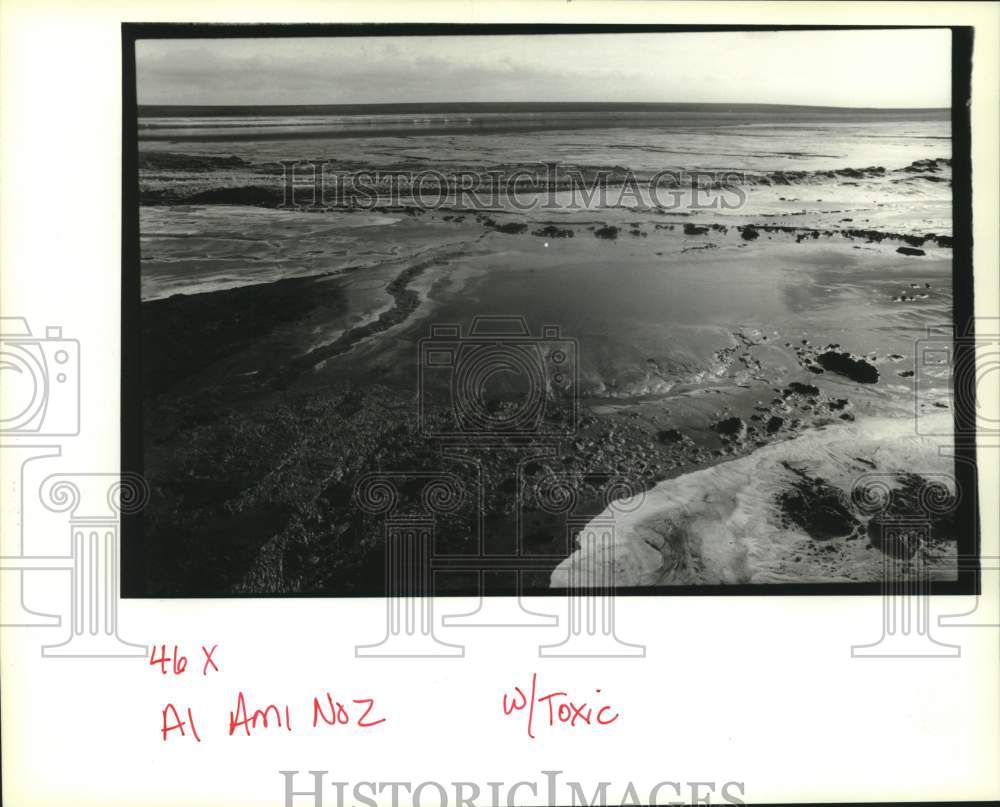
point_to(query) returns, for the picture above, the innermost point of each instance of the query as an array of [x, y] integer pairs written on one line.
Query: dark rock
[[610, 232], [749, 233], [819, 509], [910, 251], [243, 195], [512, 228], [693, 229], [731, 427], [846, 365], [798, 388], [155, 161], [551, 231], [669, 436], [931, 164], [774, 424]]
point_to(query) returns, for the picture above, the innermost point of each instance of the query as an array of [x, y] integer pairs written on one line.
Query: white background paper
[[759, 690]]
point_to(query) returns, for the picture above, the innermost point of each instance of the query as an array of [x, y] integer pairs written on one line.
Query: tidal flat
[[737, 369]]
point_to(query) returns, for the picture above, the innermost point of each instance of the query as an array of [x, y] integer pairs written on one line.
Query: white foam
[[721, 525]]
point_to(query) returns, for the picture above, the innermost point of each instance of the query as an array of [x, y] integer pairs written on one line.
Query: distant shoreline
[[176, 124], [546, 108]]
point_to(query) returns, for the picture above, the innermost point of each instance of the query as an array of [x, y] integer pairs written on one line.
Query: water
[[680, 321]]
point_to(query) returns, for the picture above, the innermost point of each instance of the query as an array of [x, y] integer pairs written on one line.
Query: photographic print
[[413, 372], [469, 312]]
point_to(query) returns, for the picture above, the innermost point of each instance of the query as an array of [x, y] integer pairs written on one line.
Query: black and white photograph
[[468, 312], [474, 403]]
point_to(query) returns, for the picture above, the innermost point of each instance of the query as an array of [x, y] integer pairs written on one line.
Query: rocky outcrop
[[551, 231], [818, 508], [511, 228], [733, 428], [847, 365], [932, 166]]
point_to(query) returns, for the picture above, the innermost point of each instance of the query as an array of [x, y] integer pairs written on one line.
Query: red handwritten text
[[557, 707], [335, 712], [177, 662], [178, 724]]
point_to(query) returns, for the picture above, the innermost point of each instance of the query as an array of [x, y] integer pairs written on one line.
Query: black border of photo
[[132, 572]]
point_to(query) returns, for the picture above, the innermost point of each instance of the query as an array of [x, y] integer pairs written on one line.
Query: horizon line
[[537, 103], [547, 103]]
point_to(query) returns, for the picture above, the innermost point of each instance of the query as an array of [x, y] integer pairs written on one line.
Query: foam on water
[[722, 525]]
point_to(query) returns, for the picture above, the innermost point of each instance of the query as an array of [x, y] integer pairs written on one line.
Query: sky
[[908, 68]]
